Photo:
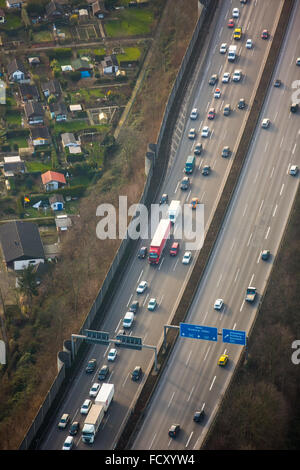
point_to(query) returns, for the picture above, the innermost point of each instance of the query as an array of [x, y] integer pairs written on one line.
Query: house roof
[[14, 65], [68, 138], [14, 2], [98, 7], [58, 108], [53, 86], [32, 108], [14, 167], [54, 8], [40, 133], [53, 176], [109, 61], [21, 240]]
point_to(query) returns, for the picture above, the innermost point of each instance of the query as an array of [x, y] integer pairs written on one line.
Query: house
[[2, 16], [34, 60], [53, 180], [34, 113], [51, 87], [28, 92], [68, 140], [54, 10], [56, 202], [99, 9], [58, 111], [21, 244], [39, 136], [14, 3], [13, 166], [83, 15], [75, 107], [81, 65], [62, 222], [110, 64], [16, 71]]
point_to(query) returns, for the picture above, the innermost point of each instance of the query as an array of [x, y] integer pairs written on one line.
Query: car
[[198, 416], [235, 13], [174, 249], [294, 170], [241, 103], [294, 107], [194, 202], [213, 79], [277, 83], [94, 390], [136, 373], [223, 359], [68, 444], [265, 34], [198, 148], [194, 114], [64, 421], [142, 252], [211, 113], [185, 183], [223, 48], [237, 75], [205, 132], [237, 33], [142, 287], [218, 304], [243, 1], [164, 199], [265, 255], [91, 366], [86, 405], [187, 257], [128, 320], [226, 77], [230, 23], [226, 152], [152, 304], [112, 354], [74, 428], [174, 430], [217, 93], [298, 61], [134, 306], [103, 372], [227, 109], [249, 44], [192, 133], [265, 123], [206, 170]]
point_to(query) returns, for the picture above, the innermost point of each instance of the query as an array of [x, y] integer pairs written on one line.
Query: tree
[[28, 286]]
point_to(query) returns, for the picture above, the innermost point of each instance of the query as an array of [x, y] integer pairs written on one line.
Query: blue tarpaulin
[[85, 74]]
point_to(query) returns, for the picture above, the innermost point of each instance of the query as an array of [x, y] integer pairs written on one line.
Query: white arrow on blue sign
[[234, 337]]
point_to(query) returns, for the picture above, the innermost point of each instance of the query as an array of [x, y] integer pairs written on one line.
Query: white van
[[128, 320]]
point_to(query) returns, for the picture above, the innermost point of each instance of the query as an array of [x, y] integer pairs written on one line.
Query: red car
[[211, 113], [174, 249], [265, 34], [230, 23]]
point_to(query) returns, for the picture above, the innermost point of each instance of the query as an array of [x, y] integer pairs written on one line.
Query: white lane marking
[[267, 234], [212, 383]]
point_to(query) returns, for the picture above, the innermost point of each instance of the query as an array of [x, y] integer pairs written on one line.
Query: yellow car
[[223, 360], [237, 33], [194, 202]]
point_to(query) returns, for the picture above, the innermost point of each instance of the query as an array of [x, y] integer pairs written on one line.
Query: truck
[[159, 241], [92, 423], [174, 210], [232, 53], [189, 164], [250, 294], [105, 395]]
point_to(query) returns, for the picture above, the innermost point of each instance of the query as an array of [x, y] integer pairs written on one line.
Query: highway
[[167, 281], [255, 221]]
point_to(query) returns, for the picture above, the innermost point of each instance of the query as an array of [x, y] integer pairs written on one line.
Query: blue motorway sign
[[188, 330], [234, 336]]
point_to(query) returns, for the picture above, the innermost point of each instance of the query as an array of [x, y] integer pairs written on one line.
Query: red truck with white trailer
[[159, 240]]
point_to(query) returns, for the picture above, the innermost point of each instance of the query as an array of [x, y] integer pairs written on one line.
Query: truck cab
[[250, 294]]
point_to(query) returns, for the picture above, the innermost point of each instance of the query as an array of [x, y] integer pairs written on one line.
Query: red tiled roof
[[53, 176]]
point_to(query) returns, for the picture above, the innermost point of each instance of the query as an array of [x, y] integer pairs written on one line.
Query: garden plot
[[87, 32], [102, 115]]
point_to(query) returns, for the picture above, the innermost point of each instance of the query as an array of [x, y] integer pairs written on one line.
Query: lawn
[[33, 167], [131, 22], [130, 53], [12, 22], [21, 142], [13, 118], [42, 36], [86, 95]]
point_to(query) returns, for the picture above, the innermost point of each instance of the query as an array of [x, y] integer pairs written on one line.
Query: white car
[[94, 390], [217, 93], [68, 444], [192, 133], [86, 407], [187, 257], [152, 304], [142, 287], [205, 131], [249, 44], [235, 13], [226, 77], [194, 114], [223, 48], [218, 304], [294, 170], [265, 123], [112, 354], [237, 75]]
